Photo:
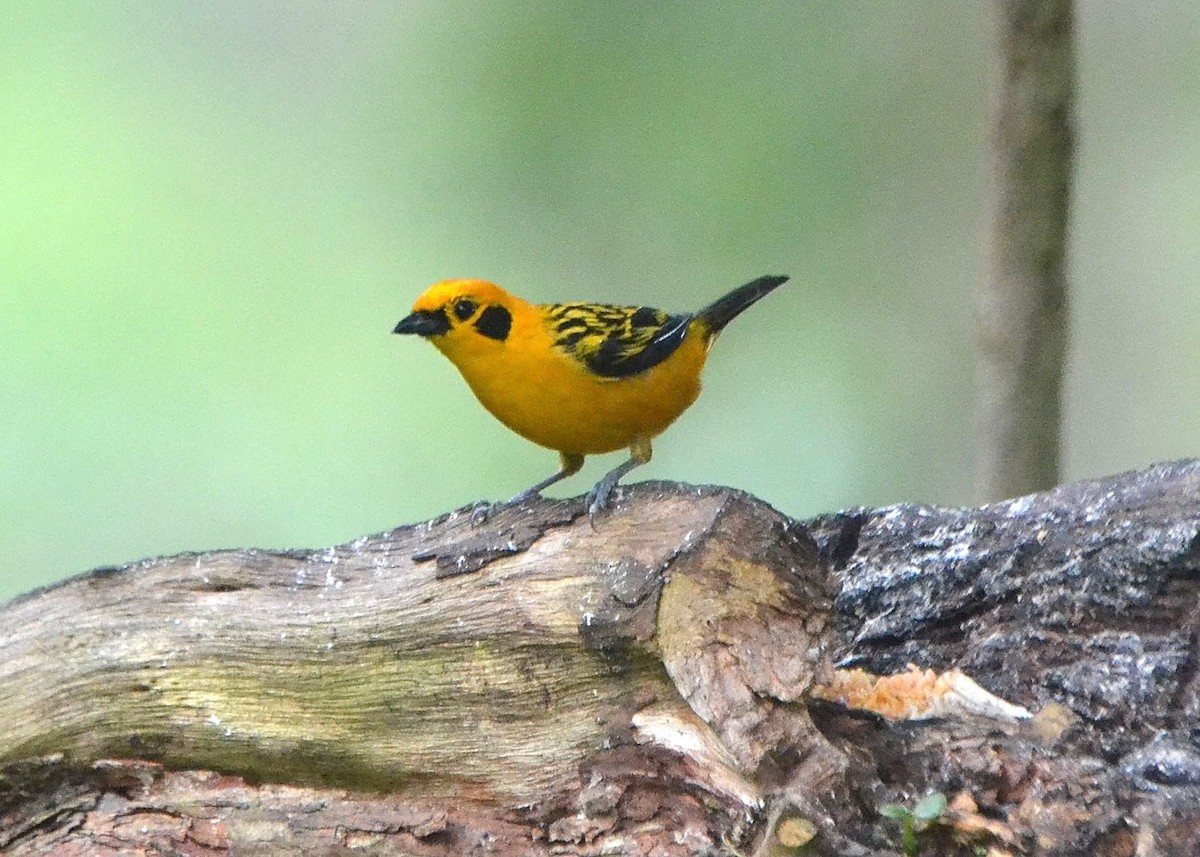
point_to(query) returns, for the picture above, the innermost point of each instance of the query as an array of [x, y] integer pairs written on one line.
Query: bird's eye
[[464, 309]]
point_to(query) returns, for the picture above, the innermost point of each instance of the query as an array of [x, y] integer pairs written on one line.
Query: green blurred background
[[213, 213]]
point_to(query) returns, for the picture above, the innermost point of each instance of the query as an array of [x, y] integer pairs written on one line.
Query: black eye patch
[[494, 322], [464, 309]]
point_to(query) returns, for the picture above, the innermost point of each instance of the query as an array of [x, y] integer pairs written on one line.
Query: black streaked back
[[616, 341]]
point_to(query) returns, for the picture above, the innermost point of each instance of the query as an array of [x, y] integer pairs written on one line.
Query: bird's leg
[[597, 498], [571, 462]]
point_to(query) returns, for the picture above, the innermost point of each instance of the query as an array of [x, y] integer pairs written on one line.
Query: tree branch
[[1023, 310]]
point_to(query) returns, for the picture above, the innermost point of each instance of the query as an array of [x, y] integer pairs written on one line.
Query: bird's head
[[456, 309]]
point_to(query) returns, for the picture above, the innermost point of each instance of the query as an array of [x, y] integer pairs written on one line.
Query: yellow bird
[[578, 378]]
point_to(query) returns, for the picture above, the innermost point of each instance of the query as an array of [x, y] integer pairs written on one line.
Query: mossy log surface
[[536, 685]]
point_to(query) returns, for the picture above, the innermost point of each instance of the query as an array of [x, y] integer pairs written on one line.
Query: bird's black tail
[[724, 310]]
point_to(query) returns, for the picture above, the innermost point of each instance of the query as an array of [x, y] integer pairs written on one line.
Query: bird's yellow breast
[[552, 399]]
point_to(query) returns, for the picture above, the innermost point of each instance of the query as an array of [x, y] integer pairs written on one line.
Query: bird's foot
[[527, 494], [483, 510], [597, 499]]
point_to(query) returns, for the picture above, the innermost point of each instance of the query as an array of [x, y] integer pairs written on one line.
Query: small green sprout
[[912, 821]]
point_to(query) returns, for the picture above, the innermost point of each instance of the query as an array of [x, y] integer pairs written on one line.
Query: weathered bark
[[532, 685], [598, 684], [1081, 604], [1023, 305]]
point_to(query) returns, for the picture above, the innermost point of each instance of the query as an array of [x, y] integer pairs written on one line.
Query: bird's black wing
[[616, 341]]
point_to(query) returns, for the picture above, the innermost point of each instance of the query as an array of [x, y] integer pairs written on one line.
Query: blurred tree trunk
[[534, 686], [1023, 306]]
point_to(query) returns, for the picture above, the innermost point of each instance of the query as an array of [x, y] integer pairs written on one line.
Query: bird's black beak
[[424, 323]]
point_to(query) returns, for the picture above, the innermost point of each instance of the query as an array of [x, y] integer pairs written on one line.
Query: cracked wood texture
[[531, 685], [511, 687]]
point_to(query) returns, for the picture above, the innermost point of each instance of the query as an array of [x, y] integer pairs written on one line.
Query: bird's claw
[[527, 494], [597, 500], [481, 512]]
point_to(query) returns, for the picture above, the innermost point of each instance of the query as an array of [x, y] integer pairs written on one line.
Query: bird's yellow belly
[[559, 405]]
